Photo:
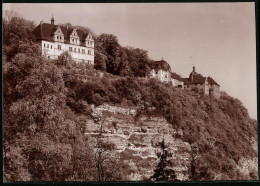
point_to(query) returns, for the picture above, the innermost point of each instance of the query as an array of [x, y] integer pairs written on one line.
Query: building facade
[[214, 88], [55, 40], [206, 85], [161, 70], [177, 80]]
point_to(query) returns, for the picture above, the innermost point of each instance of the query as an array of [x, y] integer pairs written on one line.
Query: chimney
[[41, 27]]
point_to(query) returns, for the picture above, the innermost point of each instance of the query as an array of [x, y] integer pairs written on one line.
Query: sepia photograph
[[147, 92]]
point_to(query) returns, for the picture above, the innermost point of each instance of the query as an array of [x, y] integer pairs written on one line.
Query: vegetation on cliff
[[46, 103], [164, 170]]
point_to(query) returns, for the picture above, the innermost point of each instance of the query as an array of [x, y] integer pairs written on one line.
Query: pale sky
[[218, 38]]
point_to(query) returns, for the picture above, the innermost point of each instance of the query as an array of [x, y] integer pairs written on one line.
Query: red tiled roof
[[212, 81], [195, 78], [160, 65], [45, 31], [186, 81], [198, 79], [176, 76]]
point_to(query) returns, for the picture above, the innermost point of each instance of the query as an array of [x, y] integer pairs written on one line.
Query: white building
[[55, 40], [177, 80], [162, 71]]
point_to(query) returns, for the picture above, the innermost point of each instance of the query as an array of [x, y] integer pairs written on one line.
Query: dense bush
[[110, 56]]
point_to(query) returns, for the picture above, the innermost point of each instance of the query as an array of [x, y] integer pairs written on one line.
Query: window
[[60, 37], [51, 46], [70, 49], [83, 51], [47, 45], [79, 50], [89, 52], [73, 40], [44, 45], [48, 57], [156, 72], [57, 37], [74, 49], [59, 47]]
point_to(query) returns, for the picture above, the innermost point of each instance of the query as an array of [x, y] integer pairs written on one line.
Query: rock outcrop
[[137, 140]]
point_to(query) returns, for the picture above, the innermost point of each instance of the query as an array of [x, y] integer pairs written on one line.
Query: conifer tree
[[164, 171]]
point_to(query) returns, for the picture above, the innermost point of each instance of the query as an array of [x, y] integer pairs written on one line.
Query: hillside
[[62, 118], [221, 129]]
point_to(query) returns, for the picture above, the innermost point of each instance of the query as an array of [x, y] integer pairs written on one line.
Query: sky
[[217, 38]]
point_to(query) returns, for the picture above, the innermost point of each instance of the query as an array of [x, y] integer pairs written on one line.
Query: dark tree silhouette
[[164, 171], [193, 155]]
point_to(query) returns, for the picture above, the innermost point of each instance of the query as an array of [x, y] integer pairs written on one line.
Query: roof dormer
[[58, 36], [74, 37], [89, 42]]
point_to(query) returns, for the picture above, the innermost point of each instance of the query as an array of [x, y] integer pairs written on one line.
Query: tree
[[65, 59], [15, 30], [138, 61], [34, 115], [123, 64], [193, 155], [105, 167], [100, 61], [108, 45], [164, 171]]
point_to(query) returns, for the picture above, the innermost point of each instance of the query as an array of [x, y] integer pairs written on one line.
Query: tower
[[192, 73], [52, 20]]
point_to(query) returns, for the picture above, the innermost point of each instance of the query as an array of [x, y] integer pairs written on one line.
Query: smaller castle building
[[177, 80], [162, 71], [206, 85]]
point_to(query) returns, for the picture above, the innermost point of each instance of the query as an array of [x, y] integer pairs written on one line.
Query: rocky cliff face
[[137, 140]]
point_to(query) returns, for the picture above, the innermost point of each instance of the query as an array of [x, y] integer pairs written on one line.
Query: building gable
[[46, 31], [58, 35], [74, 33], [212, 81], [198, 79], [58, 31], [89, 36]]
